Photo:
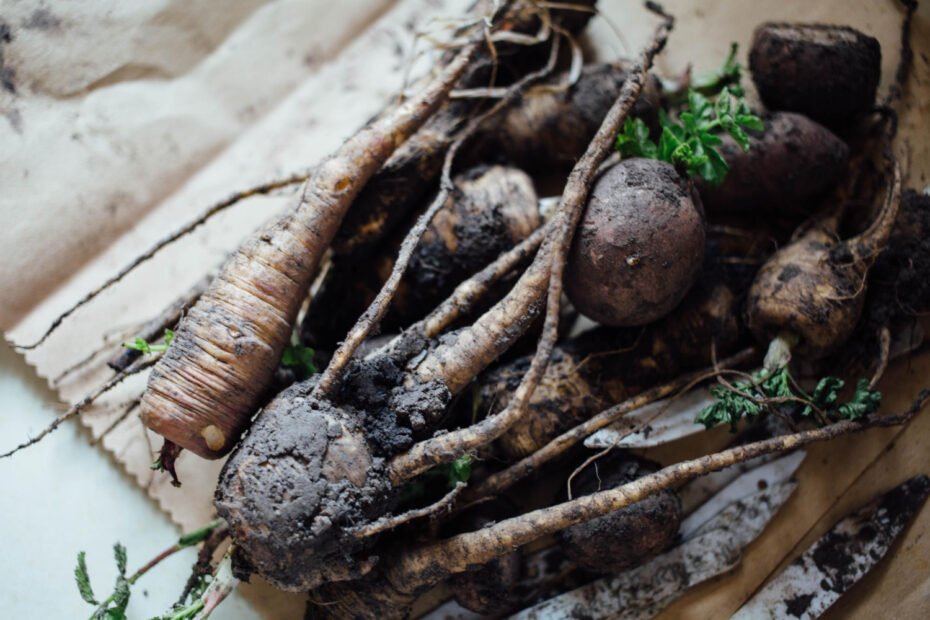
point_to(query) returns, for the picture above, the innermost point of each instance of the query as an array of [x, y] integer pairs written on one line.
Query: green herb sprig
[[115, 605], [300, 358], [690, 142], [139, 344], [776, 390]]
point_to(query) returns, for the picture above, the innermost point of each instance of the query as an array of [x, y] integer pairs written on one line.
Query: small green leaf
[[865, 401], [825, 395], [119, 552], [300, 358], [120, 601], [739, 135], [83, 580], [199, 535], [777, 384], [139, 345], [750, 121], [460, 470], [634, 140]]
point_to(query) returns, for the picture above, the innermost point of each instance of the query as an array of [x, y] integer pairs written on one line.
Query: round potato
[[639, 246]]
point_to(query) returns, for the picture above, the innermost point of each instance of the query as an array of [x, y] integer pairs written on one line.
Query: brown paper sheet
[[124, 126]]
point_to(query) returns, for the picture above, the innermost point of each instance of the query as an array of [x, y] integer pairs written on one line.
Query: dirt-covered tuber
[[792, 162], [829, 73], [639, 246], [627, 537], [813, 289]]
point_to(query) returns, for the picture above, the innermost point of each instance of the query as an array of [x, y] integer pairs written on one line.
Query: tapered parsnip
[[204, 391]]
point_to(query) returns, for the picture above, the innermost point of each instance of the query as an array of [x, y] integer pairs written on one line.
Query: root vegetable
[[829, 73], [412, 171], [204, 391], [639, 246], [608, 365], [552, 126], [627, 537], [792, 162], [813, 289], [299, 539], [898, 292], [389, 593], [492, 209]]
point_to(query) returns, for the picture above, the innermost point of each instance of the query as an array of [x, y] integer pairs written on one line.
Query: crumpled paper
[[122, 122]]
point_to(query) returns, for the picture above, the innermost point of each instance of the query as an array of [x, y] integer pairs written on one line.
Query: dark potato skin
[[793, 161], [551, 128], [829, 73], [630, 536], [638, 247]]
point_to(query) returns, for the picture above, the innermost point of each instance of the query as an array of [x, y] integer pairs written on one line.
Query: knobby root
[[450, 446], [371, 319]]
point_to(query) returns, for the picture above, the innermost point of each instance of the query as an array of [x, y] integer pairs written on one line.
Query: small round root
[[627, 537]]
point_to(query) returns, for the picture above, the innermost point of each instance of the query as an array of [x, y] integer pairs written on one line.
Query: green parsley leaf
[[119, 552], [864, 402], [460, 470], [141, 345], [634, 140], [83, 580], [825, 395], [300, 358]]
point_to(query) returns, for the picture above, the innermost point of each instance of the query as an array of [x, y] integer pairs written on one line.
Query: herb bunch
[[775, 390], [114, 606], [689, 141]]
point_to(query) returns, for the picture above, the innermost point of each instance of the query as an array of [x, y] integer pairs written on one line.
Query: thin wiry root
[[77, 408], [445, 448], [715, 372], [108, 340], [128, 409], [502, 480], [467, 294], [377, 309], [265, 188], [884, 353], [389, 523], [433, 562], [166, 319], [203, 566]]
